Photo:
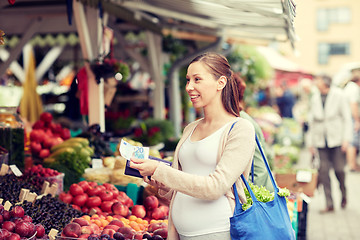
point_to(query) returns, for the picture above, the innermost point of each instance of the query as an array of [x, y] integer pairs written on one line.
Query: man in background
[[352, 91]]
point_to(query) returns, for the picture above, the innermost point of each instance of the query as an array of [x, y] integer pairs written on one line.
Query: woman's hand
[[146, 167]]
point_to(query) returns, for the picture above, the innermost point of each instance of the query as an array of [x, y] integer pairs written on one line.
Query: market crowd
[[329, 115]]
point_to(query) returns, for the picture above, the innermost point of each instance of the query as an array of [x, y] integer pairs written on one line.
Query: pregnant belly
[[192, 216]]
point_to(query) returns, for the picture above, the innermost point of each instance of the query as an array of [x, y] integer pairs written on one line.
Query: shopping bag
[[270, 220]]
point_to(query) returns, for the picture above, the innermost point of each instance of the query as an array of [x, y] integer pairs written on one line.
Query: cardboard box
[[289, 181]]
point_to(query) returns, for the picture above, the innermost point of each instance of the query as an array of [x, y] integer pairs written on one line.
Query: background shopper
[[330, 130]]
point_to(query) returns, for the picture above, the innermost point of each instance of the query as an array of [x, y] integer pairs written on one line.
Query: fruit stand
[[69, 188]]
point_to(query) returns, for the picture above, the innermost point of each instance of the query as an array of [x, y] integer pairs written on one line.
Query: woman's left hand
[[146, 167]]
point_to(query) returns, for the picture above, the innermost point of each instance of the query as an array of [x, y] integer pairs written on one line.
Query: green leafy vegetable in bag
[[262, 195]]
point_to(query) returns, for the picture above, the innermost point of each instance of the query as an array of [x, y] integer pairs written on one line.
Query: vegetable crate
[[290, 181]]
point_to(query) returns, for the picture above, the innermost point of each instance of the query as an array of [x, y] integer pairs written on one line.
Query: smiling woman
[[199, 183]]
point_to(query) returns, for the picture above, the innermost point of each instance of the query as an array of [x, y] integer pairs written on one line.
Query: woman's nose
[[189, 86]]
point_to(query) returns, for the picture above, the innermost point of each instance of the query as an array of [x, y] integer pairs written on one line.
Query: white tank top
[[193, 216]]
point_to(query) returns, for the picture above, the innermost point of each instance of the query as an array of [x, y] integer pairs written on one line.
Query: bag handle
[[238, 207]]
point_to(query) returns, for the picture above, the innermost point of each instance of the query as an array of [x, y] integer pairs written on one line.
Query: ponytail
[[233, 92]]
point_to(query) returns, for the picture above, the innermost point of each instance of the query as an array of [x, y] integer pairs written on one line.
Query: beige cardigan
[[235, 153]]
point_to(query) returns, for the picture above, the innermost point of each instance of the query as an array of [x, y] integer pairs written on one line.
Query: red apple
[[17, 212], [81, 221], [1, 219], [119, 208], [72, 230], [40, 230], [9, 225], [56, 141], [151, 202], [139, 211]]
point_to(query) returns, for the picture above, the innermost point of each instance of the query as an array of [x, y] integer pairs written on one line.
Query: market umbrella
[[30, 104]]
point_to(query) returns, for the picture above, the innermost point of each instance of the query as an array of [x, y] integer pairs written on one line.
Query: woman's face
[[201, 85]]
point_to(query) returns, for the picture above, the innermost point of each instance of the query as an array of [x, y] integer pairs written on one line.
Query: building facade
[[329, 35]]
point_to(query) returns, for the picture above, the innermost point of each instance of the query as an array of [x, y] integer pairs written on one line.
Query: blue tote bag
[[261, 221]]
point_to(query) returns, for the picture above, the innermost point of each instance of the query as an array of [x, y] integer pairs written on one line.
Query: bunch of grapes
[[13, 186], [50, 212]]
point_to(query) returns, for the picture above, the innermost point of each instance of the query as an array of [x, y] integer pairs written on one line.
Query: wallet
[[135, 173]]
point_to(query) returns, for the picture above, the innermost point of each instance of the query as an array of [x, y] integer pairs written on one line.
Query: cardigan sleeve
[[237, 153]]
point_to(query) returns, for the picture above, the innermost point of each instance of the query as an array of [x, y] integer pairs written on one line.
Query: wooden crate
[[289, 181]]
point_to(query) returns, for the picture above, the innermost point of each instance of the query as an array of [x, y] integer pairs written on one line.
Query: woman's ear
[[221, 83]]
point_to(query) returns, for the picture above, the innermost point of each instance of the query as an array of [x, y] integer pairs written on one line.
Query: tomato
[[76, 207], [75, 189], [93, 191], [84, 185], [106, 195], [113, 189], [101, 187], [80, 200], [93, 201], [92, 184], [65, 197], [106, 206]]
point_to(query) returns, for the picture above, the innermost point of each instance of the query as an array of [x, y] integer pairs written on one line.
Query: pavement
[[342, 224]]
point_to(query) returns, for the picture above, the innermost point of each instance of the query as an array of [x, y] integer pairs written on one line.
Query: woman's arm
[[236, 157]]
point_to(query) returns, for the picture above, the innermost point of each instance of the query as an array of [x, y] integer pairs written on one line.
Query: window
[[327, 16], [326, 50]]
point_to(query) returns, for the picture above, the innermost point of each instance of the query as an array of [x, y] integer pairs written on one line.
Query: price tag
[[303, 176], [4, 169], [52, 234], [128, 151], [97, 163], [44, 188], [7, 205], [23, 193], [16, 171]]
